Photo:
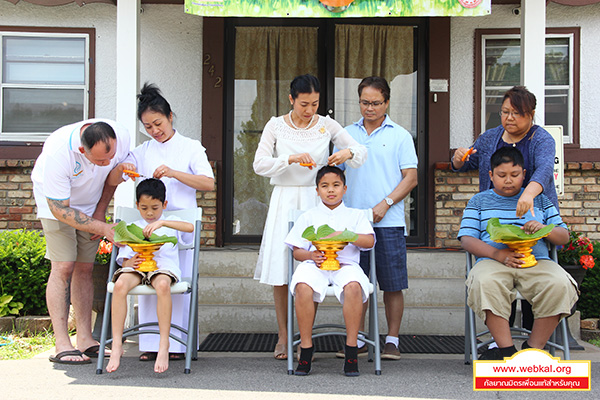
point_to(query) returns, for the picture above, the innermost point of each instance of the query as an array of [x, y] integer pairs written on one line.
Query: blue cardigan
[[541, 159]]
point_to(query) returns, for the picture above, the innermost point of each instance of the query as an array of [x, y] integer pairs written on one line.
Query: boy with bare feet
[[150, 201]]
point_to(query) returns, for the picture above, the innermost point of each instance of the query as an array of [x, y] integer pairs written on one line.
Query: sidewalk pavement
[[259, 376]]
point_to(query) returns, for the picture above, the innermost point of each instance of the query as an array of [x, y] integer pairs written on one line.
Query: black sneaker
[[491, 354]]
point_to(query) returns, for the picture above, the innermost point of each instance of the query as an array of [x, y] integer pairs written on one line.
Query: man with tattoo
[[71, 195]]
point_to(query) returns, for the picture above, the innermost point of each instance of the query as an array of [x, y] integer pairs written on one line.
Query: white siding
[[171, 52]]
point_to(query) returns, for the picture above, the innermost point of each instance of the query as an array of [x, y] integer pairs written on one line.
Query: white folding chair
[[371, 338], [517, 332], [186, 285]]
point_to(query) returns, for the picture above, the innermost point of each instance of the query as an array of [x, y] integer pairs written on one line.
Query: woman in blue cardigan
[[517, 130]]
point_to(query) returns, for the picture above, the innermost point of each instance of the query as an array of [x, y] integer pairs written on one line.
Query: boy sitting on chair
[[309, 283], [493, 282], [150, 202]]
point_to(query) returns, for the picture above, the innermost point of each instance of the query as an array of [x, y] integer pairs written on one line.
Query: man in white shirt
[[71, 196]]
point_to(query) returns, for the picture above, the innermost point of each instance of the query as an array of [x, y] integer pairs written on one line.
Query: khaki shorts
[[67, 244], [492, 286], [146, 276]]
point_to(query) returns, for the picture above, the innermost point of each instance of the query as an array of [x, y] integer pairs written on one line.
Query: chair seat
[[182, 286], [330, 291]]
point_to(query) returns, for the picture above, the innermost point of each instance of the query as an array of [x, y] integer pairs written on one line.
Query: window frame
[[572, 33], [29, 148]]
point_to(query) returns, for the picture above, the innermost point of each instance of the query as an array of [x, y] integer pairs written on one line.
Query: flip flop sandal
[[148, 356], [280, 352], [92, 351], [58, 358], [176, 356]]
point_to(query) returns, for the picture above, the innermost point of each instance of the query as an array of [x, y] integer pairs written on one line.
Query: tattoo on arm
[[61, 207]]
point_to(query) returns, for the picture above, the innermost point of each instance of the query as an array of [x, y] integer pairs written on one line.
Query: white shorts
[[307, 272]]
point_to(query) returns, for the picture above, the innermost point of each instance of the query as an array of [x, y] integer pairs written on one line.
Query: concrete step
[[422, 292], [241, 262], [261, 318]]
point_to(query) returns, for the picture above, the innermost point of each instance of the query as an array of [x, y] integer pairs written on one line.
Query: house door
[[264, 55]]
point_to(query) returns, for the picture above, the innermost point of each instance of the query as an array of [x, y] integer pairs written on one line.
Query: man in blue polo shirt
[[382, 183]]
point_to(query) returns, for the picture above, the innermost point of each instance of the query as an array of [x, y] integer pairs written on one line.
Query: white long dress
[[186, 155], [294, 185]]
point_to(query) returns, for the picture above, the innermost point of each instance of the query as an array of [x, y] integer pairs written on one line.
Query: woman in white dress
[[181, 163], [291, 150]]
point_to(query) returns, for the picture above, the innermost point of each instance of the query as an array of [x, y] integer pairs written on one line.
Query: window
[[45, 83], [500, 69]]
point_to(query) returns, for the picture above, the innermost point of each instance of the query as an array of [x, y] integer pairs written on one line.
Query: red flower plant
[[104, 251], [578, 251]]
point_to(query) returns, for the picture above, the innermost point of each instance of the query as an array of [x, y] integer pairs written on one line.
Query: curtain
[[378, 50], [266, 61]]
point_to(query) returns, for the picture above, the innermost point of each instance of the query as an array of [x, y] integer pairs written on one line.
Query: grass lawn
[[23, 345]]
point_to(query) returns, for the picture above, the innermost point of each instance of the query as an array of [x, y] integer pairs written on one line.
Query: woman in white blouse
[[291, 150]]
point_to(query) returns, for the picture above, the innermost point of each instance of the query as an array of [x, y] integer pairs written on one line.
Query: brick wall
[[579, 206], [18, 210], [17, 205]]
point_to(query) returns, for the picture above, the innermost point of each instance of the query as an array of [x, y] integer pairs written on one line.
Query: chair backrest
[[191, 215]]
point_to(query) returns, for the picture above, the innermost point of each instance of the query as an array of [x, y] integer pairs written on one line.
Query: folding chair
[[186, 285], [371, 338], [471, 337]]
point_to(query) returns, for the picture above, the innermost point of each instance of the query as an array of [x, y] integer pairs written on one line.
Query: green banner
[[337, 8]]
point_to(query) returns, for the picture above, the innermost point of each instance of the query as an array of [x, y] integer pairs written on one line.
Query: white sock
[[392, 339], [492, 345], [359, 343]]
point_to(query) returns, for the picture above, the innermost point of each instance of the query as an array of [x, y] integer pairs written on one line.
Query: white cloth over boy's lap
[[339, 218]]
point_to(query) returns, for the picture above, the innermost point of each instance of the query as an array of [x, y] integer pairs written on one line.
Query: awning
[[337, 8]]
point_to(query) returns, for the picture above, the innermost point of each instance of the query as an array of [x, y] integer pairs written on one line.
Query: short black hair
[[376, 82], [304, 84], [507, 154], [95, 133], [152, 187], [330, 170]]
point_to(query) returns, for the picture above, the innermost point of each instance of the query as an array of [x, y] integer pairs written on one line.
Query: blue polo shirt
[[390, 150]]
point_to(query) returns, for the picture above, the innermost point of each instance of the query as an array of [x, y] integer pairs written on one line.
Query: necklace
[[301, 129]]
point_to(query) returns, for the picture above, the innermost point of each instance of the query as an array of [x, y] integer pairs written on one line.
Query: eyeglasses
[[505, 114], [367, 104]]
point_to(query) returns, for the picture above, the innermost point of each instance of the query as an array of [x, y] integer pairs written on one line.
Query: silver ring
[[334, 164]]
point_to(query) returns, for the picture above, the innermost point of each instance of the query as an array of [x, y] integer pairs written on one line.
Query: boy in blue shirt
[[497, 275], [309, 283]]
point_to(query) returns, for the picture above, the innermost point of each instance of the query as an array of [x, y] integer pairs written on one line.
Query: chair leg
[[104, 333], [290, 334], [467, 337], [565, 339]]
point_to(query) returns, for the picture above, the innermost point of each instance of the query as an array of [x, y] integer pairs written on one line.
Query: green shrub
[[23, 269], [589, 299]]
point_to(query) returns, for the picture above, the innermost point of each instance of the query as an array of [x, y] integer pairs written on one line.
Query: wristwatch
[[389, 201], [351, 152]]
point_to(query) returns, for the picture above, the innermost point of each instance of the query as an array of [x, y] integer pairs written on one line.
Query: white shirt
[[179, 153], [62, 172], [339, 218], [279, 141], [167, 257]]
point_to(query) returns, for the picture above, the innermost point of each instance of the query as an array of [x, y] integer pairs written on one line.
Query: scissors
[[467, 154], [133, 174]]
